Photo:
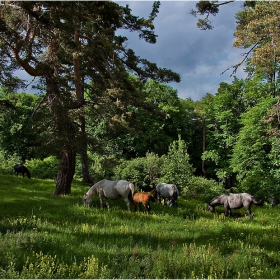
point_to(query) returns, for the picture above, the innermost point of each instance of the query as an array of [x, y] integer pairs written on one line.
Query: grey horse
[[234, 201], [169, 191], [110, 190]]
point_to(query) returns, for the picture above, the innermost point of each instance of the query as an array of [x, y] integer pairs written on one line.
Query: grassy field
[[43, 236]]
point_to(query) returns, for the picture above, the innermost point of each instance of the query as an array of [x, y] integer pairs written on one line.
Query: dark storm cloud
[[198, 56]]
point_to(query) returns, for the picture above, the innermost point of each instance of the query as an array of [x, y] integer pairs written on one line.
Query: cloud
[[198, 56]]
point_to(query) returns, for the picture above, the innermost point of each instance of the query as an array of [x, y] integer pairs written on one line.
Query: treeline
[[229, 138]]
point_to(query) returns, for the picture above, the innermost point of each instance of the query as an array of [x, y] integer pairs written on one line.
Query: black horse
[[234, 201], [20, 168]]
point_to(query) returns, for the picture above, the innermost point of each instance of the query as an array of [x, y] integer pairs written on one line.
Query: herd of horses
[[107, 189]]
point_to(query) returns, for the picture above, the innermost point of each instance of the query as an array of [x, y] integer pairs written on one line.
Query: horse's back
[[141, 197], [116, 188], [166, 189]]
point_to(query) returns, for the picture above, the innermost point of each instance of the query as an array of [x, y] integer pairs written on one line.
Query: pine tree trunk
[[65, 135], [65, 173], [83, 152]]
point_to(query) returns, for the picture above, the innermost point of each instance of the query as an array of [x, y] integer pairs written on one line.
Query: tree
[[176, 168], [258, 30], [17, 125], [66, 45], [208, 8], [250, 154]]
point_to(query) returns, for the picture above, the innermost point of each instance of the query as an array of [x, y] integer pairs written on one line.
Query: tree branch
[[235, 67]]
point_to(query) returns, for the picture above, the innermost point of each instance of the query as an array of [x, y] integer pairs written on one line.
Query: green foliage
[[171, 168], [140, 171], [202, 189], [101, 167], [43, 169], [16, 132], [41, 266], [250, 154], [7, 163], [176, 168]]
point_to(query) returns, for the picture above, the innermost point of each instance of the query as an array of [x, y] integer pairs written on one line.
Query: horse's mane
[[216, 197], [91, 189]]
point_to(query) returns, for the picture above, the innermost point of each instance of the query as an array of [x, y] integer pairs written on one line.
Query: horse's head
[[87, 199], [210, 208], [172, 201]]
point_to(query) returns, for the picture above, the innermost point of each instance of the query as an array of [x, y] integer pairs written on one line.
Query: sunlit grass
[[184, 242]]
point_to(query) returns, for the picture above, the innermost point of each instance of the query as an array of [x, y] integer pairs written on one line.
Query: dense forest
[[103, 112]]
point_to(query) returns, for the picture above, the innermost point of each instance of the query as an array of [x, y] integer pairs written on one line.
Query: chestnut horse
[[144, 198]]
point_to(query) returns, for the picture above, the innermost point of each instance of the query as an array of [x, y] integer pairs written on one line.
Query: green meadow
[[43, 236]]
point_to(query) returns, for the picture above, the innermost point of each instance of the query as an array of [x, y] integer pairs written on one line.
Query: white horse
[[110, 190], [169, 191]]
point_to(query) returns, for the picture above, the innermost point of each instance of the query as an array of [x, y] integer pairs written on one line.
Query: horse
[[20, 168], [110, 190], [169, 191], [234, 201], [144, 198]]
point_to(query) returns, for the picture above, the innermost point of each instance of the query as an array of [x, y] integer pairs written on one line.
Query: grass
[[43, 236]]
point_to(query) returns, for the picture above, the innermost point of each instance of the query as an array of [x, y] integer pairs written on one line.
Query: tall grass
[[43, 236]]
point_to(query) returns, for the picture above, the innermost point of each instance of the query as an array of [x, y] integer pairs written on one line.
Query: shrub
[[202, 189], [176, 168], [7, 163], [140, 171], [100, 167], [43, 169]]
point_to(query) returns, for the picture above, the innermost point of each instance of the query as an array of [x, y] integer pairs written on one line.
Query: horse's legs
[[127, 203], [148, 208], [158, 197], [107, 204], [227, 210], [250, 213], [100, 199]]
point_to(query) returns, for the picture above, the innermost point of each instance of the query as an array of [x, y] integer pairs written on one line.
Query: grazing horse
[[169, 191], [234, 201], [110, 190], [20, 168], [144, 198]]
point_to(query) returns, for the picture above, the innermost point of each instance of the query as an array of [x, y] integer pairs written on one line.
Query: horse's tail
[[151, 196], [175, 192], [131, 193], [258, 203], [27, 172]]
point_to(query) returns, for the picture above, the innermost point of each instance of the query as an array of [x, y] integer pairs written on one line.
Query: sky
[[198, 56]]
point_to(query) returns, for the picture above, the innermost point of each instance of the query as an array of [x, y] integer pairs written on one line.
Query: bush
[[176, 168], [43, 169], [202, 189], [100, 167], [141, 172], [7, 163]]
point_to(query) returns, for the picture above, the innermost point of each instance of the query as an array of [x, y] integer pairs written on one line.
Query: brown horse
[[144, 198]]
